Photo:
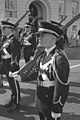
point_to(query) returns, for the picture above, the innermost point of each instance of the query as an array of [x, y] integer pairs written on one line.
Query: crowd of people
[[52, 65]]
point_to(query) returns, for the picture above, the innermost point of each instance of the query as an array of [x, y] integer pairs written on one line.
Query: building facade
[[48, 10]]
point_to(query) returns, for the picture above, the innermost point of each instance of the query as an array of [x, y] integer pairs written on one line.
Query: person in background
[[66, 38], [29, 42], [10, 56]]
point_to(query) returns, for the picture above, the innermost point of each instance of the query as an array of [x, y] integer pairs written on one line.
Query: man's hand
[[15, 76], [32, 57]]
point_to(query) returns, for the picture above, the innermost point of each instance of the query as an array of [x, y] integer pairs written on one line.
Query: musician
[[29, 45], [10, 56], [53, 73]]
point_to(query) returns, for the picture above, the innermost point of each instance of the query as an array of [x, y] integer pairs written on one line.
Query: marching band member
[[10, 56], [53, 73]]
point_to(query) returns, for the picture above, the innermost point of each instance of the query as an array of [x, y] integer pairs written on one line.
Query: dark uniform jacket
[[53, 84], [10, 51]]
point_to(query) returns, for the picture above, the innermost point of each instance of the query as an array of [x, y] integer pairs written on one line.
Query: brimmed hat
[[55, 23], [7, 24], [50, 28], [28, 25]]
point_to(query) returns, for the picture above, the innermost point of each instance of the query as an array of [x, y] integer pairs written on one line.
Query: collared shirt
[[49, 50]]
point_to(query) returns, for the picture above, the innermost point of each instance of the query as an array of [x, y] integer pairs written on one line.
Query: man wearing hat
[[29, 43], [53, 85], [10, 56], [53, 73]]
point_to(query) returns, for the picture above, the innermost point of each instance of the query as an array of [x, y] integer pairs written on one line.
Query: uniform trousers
[[44, 100], [14, 85]]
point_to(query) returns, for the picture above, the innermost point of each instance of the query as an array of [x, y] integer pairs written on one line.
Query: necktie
[[46, 57]]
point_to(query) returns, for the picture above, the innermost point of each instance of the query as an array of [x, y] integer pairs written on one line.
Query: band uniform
[[29, 43], [10, 56], [53, 73]]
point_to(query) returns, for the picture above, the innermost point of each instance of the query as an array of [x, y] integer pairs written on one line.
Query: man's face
[[6, 30], [28, 29], [47, 40]]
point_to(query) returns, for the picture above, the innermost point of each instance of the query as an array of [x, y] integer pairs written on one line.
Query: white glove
[[10, 74], [32, 57], [15, 76], [55, 115]]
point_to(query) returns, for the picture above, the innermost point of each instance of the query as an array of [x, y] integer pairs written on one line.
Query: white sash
[[7, 55]]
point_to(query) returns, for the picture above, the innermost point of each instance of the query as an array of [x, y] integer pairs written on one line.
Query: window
[[62, 9], [75, 8], [10, 8], [74, 32]]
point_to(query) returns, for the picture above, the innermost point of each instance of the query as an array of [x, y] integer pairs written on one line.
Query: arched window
[[10, 8], [75, 7]]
